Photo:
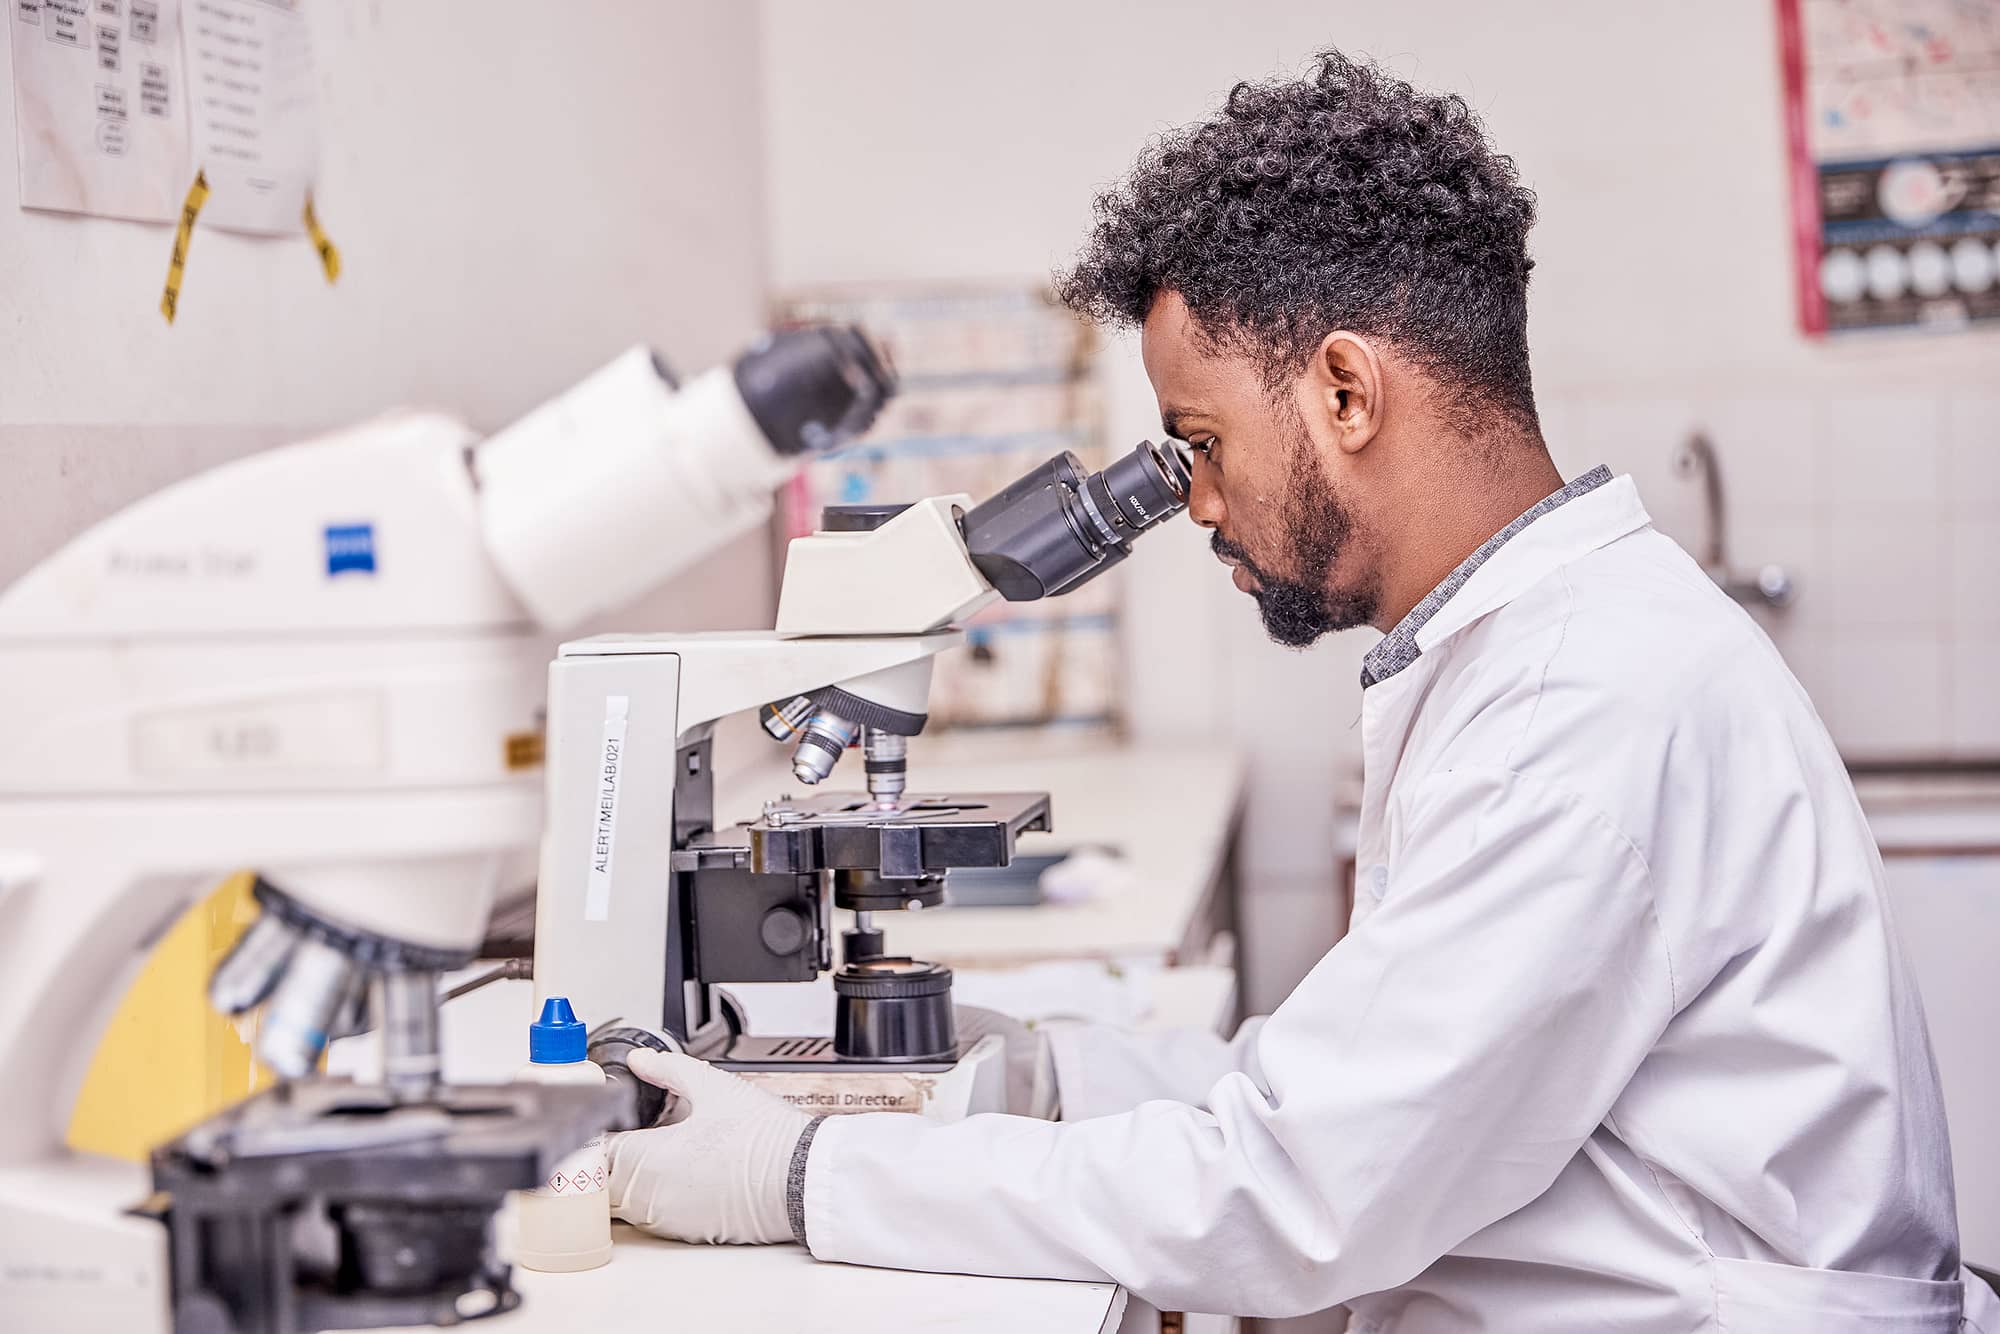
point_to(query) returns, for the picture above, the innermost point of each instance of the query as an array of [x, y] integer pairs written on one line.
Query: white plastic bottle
[[565, 1223]]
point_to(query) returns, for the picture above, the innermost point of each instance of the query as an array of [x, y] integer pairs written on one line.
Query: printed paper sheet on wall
[[1893, 123], [118, 103], [993, 382], [101, 106]]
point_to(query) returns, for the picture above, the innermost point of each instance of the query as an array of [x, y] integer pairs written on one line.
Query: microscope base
[[327, 1205]]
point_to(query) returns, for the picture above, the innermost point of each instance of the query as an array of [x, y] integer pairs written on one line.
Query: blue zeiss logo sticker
[[350, 548]]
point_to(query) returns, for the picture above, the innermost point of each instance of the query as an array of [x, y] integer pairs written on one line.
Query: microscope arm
[[626, 480]]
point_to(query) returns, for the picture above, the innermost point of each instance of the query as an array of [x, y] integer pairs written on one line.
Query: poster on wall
[[1893, 127], [118, 103]]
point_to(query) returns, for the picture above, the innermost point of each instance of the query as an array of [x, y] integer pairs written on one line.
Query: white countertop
[[1168, 810], [1932, 814], [662, 1285], [651, 1284]]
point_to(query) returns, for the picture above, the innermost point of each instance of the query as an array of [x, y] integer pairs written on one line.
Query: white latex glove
[[1031, 1062], [717, 1175]]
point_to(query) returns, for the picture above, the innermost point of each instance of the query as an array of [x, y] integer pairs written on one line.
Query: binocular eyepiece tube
[[1058, 526]]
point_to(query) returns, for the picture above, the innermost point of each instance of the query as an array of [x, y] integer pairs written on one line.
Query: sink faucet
[[1771, 585]]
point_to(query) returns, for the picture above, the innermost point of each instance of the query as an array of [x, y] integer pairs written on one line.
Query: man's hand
[[719, 1173]]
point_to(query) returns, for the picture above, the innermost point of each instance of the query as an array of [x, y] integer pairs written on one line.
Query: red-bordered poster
[[1892, 119]]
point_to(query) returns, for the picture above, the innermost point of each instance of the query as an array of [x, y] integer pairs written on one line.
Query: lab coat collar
[[1565, 534]]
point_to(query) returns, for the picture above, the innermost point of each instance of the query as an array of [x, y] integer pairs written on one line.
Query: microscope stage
[[925, 835]]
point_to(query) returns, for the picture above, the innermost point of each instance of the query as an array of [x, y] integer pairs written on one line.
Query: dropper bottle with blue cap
[[565, 1223]]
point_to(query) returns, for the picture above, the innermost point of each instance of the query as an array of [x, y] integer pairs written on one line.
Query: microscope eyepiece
[[1143, 489], [813, 390], [1059, 526]]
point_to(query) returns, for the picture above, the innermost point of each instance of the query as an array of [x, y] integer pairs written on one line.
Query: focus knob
[[783, 931]]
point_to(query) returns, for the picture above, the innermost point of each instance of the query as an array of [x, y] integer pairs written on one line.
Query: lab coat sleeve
[[1102, 1070], [1432, 1074]]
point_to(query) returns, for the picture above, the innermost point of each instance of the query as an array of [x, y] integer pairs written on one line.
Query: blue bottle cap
[[558, 1037]]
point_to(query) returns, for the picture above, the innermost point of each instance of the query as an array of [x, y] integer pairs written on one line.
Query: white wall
[[912, 140], [518, 192]]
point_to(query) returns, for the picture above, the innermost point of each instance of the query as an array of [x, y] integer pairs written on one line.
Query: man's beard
[[1298, 610]]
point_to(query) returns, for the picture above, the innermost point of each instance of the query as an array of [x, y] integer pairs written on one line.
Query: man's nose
[[1205, 505]]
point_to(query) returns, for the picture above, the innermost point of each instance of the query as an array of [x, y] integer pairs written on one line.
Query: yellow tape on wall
[[197, 195], [329, 253], [167, 1060]]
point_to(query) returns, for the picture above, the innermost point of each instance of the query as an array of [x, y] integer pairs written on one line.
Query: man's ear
[[1346, 384]]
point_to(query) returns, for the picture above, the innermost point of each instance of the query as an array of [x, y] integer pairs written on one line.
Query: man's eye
[[1205, 448]]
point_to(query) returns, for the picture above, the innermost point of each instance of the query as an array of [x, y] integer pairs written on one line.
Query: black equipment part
[[867, 712], [832, 831], [858, 943], [870, 891], [757, 928], [857, 518], [378, 952], [326, 1205], [1058, 526], [892, 1010], [812, 390], [641, 1105]]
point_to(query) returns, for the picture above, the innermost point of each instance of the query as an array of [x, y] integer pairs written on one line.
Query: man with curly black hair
[[1620, 1037], [1348, 241]]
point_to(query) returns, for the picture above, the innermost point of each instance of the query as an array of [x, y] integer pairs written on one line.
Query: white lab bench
[[652, 1284], [1172, 813]]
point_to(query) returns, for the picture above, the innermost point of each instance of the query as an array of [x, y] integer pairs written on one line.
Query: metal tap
[[1772, 584]]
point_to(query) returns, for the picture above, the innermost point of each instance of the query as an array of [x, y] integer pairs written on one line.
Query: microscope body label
[[833, 1094], [306, 734], [604, 827], [350, 548]]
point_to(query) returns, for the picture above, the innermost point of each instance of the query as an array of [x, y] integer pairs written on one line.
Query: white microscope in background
[[644, 907], [326, 664]]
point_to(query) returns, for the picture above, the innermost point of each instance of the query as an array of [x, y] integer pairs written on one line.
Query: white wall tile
[[1288, 825], [1975, 695], [1809, 653], [1175, 683], [1281, 699], [1641, 436], [1889, 568], [1884, 450], [1884, 693], [1975, 574], [1287, 924], [1972, 428], [1772, 454]]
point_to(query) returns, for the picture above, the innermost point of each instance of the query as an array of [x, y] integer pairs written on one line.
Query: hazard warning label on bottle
[[580, 1173]]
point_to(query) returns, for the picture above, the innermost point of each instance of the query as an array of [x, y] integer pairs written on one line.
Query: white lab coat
[[1621, 1038]]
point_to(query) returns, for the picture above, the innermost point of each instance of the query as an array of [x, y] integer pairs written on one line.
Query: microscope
[[325, 663], [646, 907]]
